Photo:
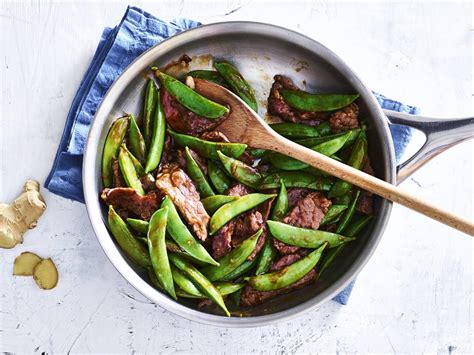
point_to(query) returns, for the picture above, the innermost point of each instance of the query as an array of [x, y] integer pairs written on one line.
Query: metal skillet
[[260, 51]]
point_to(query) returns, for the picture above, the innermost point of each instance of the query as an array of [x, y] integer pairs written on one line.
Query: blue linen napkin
[[118, 47]]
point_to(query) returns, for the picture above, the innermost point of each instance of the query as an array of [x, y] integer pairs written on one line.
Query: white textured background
[[415, 295]]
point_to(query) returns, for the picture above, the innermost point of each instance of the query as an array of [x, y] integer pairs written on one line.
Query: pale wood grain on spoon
[[245, 126]]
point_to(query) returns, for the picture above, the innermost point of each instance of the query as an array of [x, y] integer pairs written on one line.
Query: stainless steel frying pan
[[260, 51]]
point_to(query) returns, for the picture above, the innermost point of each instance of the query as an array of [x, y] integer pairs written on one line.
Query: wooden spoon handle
[[365, 181]]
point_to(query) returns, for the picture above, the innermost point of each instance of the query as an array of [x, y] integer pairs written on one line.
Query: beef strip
[[251, 297], [238, 190], [278, 107], [345, 119], [148, 182], [117, 178], [127, 200], [184, 121], [296, 194], [365, 203], [167, 153], [179, 157], [309, 211], [216, 136], [221, 241], [174, 182]]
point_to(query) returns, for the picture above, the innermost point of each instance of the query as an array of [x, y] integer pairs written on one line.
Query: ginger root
[[23, 214]]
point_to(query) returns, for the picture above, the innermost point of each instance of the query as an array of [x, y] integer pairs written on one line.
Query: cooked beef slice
[[127, 199], [295, 195], [176, 184], [345, 119], [309, 211], [117, 178], [221, 241]]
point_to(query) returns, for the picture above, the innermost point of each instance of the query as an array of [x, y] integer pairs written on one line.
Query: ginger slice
[[46, 274], [25, 263]]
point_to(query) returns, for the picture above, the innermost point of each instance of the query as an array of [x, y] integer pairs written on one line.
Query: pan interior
[[259, 52]]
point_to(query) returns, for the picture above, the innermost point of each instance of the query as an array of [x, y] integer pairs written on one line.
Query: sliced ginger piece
[[46, 274], [25, 263]]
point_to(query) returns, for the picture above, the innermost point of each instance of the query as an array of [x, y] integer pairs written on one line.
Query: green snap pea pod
[[346, 218], [227, 288], [134, 249], [295, 130], [327, 148], [208, 149], [213, 203], [151, 98], [356, 160], [256, 153], [138, 225], [303, 237], [197, 175], [240, 171], [267, 255], [281, 203], [158, 133], [184, 283], [235, 297], [204, 285], [305, 101], [172, 247], [311, 142], [190, 98], [111, 147], [129, 172], [136, 140], [209, 75], [333, 213], [136, 163], [232, 209], [237, 83], [351, 231], [288, 275], [243, 269], [218, 177], [296, 179], [156, 284], [324, 128], [343, 200], [183, 237], [157, 248], [232, 260]]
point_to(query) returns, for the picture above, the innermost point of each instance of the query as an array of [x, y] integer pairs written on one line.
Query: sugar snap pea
[[240, 171], [151, 98], [183, 237], [281, 203], [354, 228], [243, 269], [232, 260], [232, 209], [190, 98], [333, 213], [266, 257], [156, 284], [157, 138], [311, 142], [237, 83], [209, 75], [138, 225], [134, 249], [136, 163], [256, 153], [197, 175], [295, 130], [200, 281], [184, 283], [136, 140], [111, 147], [346, 218], [208, 149], [288, 275], [218, 177], [296, 179], [343, 200], [356, 160], [129, 172], [213, 203], [305, 101], [328, 148], [303, 237], [157, 249]]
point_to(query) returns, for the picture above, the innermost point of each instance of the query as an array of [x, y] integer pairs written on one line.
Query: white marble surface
[[415, 295]]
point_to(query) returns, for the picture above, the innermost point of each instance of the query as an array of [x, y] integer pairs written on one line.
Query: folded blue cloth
[[117, 48]]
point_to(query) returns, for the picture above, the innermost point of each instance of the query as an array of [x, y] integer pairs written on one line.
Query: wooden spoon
[[245, 126]]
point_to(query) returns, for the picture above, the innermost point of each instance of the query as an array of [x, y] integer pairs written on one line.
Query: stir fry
[[221, 222]]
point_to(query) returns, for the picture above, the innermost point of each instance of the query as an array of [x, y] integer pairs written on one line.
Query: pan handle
[[418, 139]]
